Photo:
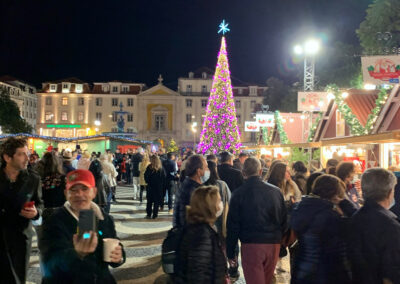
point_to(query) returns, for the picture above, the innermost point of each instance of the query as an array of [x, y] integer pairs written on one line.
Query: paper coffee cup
[[108, 246]]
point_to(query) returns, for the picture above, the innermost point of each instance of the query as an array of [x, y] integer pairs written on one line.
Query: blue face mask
[[205, 177]]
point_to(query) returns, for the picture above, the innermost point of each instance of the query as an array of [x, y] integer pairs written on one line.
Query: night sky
[[43, 40]]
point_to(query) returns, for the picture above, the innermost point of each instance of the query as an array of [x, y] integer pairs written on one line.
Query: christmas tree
[[220, 130], [172, 147]]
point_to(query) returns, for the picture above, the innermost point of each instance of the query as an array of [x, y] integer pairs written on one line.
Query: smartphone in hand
[[87, 223], [29, 204]]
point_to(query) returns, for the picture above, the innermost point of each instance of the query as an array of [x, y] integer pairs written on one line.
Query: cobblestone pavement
[[142, 240]]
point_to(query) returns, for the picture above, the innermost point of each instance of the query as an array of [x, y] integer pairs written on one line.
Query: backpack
[[170, 250]]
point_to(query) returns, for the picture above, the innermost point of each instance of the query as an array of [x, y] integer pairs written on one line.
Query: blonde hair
[[203, 205], [155, 163], [146, 158]]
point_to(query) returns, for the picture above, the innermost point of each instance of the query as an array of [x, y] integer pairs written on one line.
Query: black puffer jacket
[[322, 252], [201, 259]]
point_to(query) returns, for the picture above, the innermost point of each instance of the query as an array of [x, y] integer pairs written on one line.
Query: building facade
[[24, 95], [72, 108]]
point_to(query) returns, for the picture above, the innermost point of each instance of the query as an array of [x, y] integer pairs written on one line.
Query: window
[[189, 89], [80, 115], [64, 116], [238, 119], [130, 102], [240, 91], [204, 89], [64, 101], [34, 104], [188, 118], [48, 101], [30, 103], [30, 91], [48, 116], [125, 89], [114, 117], [253, 91], [115, 89], [98, 116], [253, 104], [160, 122], [78, 88], [130, 117], [53, 87], [204, 75], [99, 101], [203, 103], [81, 101], [65, 86], [238, 104], [114, 102], [188, 103]]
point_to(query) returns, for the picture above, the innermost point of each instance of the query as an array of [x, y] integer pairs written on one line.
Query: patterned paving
[[142, 240]]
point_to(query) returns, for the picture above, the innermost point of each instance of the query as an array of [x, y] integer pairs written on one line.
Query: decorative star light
[[223, 27]]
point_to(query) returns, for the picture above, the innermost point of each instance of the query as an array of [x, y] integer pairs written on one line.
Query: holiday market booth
[[96, 143]]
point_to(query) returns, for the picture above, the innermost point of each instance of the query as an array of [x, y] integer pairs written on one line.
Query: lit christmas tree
[[172, 147], [220, 130]]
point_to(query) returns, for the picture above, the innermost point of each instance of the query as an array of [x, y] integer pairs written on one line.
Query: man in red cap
[[68, 258]]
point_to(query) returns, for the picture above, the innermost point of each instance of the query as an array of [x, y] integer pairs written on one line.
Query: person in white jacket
[[111, 173]]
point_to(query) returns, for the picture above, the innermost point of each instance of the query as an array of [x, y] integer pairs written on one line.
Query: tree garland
[[281, 131], [351, 120], [314, 128], [267, 135]]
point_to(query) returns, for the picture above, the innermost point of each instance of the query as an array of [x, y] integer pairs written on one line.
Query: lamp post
[[97, 123], [308, 50], [194, 130]]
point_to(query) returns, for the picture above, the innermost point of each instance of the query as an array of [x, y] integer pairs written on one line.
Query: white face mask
[[220, 210], [206, 176]]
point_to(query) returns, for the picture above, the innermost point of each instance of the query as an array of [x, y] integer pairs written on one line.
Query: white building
[[24, 95]]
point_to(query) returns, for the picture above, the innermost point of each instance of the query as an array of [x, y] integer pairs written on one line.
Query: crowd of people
[[334, 225]]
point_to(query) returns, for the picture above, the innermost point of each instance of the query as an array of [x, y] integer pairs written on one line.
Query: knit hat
[[80, 176]]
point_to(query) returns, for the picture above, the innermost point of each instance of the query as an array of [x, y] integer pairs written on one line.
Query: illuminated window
[[53, 87], [80, 115], [78, 88], [64, 116], [48, 116], [64, 101]]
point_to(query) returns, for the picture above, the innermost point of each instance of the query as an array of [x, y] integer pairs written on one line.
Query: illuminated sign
[[265, 120], [63, 126], [251, 126]]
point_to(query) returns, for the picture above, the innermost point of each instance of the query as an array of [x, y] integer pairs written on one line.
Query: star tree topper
[[223, 27]]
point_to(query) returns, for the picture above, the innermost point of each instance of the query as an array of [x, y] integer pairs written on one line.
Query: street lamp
[[194, 130], [97, 123]]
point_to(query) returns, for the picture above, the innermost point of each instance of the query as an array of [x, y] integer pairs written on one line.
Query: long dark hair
[[277, 175], [49, 165], [213, 173]]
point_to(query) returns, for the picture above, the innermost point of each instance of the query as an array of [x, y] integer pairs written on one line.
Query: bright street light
[[298, 49], [97, 122], [311, 46]]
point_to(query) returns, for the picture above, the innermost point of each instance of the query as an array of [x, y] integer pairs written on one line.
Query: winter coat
[[110, 171], [396, 208], [182, 199], [257, 215], [61, 262], [171, 169], [53, 187], [142, 169], [155, 183], [201, 259], [374, 245], [135, 160], [16, 231], [233, 177], [321, 255], [67, 167]]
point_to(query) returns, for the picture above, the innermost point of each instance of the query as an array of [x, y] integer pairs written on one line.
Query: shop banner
[[265, 120], [251, 126], [378, 70], [312, 101]]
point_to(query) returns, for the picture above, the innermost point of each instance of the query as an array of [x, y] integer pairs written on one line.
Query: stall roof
[[387, 137]]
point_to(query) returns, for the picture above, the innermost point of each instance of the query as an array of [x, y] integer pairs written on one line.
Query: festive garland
[[314, 128], [281, 131], [351, 120], [267, 136]]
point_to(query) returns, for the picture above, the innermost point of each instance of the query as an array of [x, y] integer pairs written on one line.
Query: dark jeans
[[150, 202], [142, 188], [169, 190], [128, 177]]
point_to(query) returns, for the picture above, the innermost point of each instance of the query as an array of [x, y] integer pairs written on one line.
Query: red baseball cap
[[80, 176]]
